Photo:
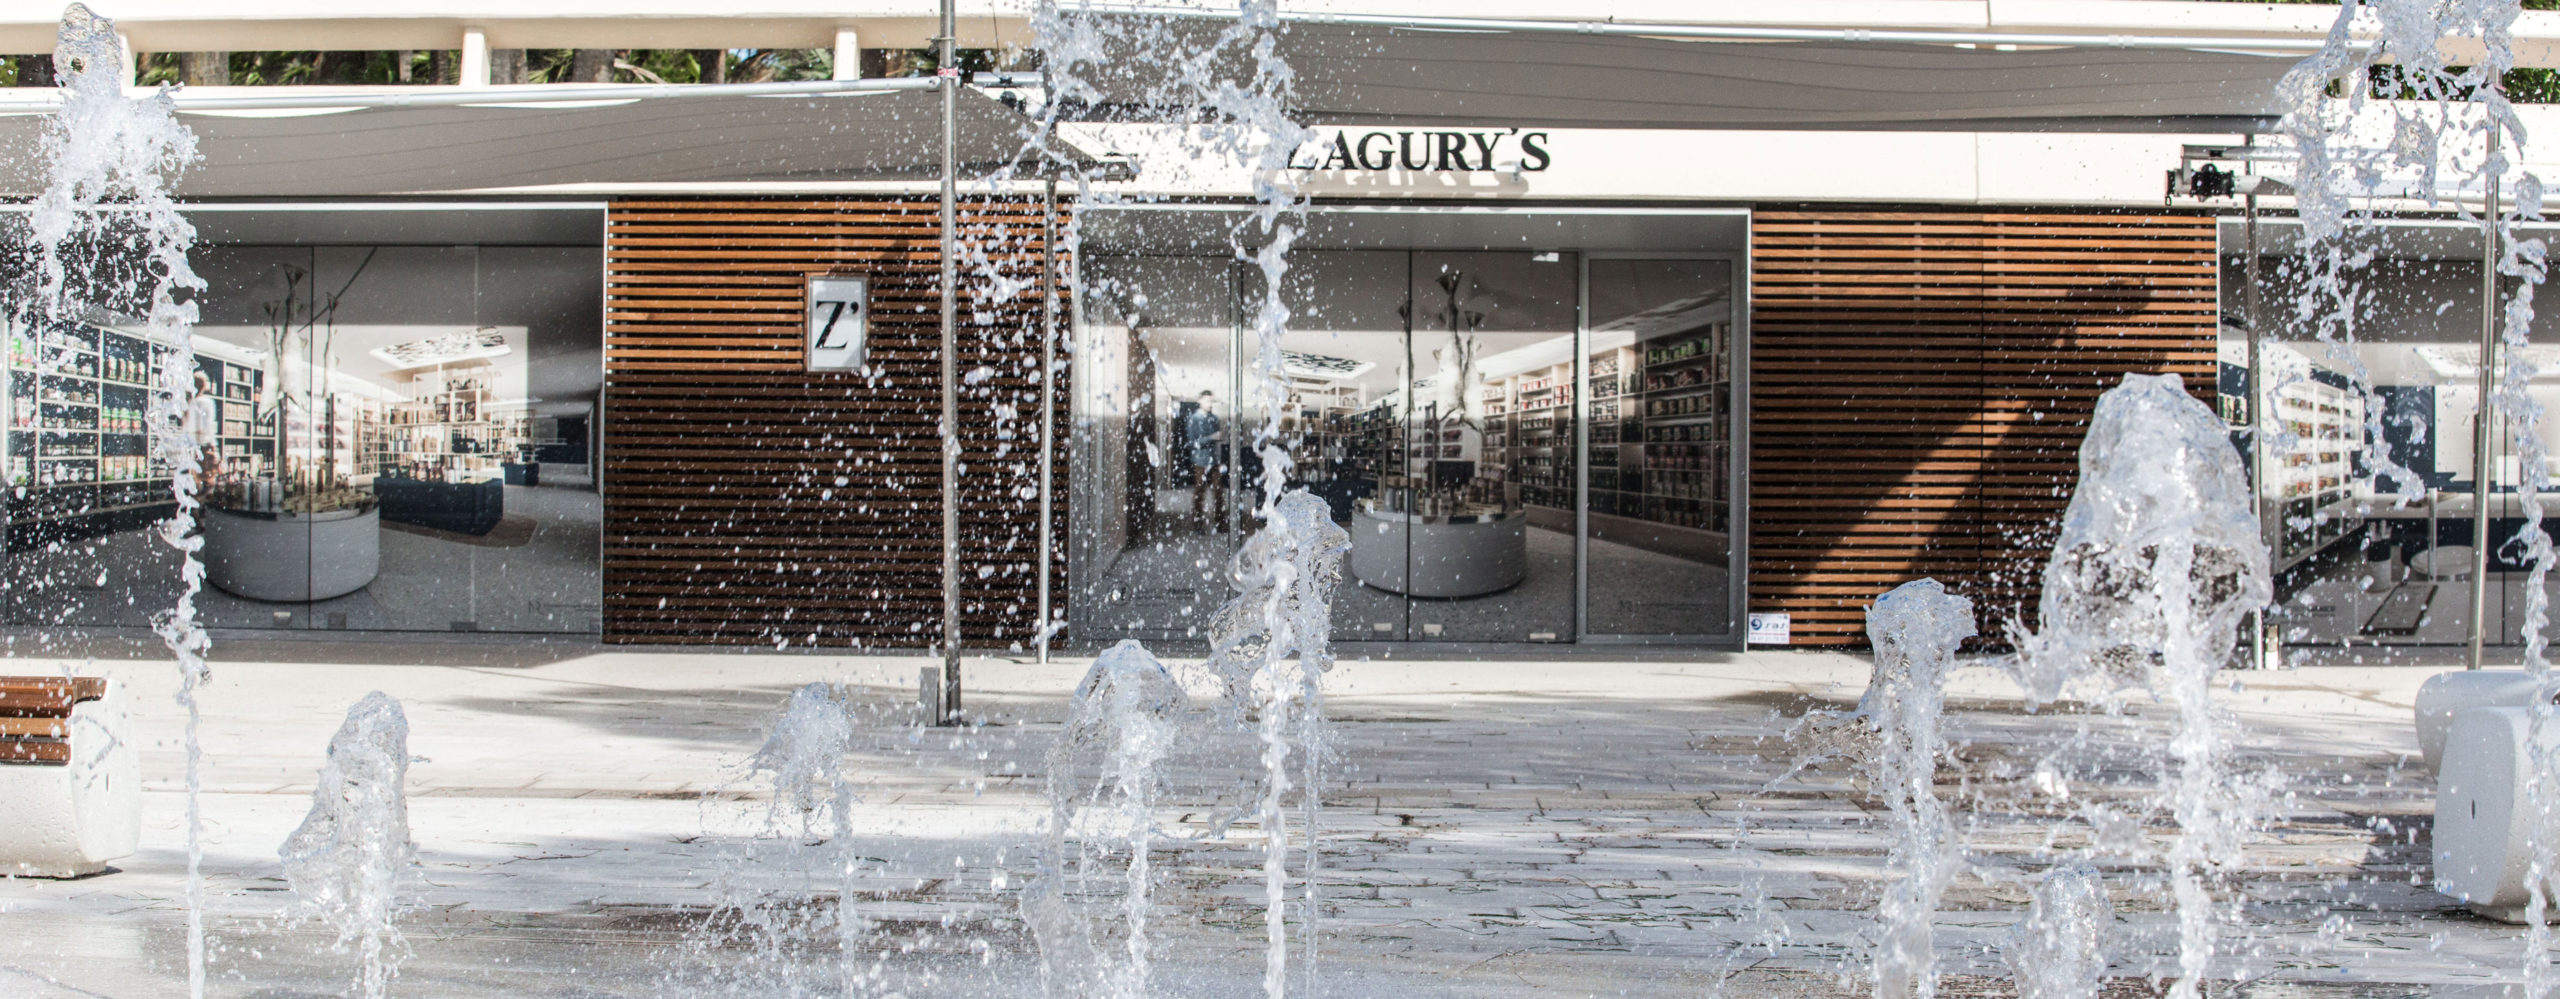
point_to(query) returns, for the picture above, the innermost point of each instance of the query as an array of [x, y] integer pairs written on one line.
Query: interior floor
[[547, 579], [2334, 600], [1167, 585]]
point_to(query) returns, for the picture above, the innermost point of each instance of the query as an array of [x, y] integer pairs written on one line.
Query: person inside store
[[1204, 436], [202, 424]]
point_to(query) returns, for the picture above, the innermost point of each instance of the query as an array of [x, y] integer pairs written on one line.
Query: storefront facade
[[1544, 415], [1681, 386]]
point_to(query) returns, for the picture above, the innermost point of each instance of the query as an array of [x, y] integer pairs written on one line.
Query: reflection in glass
[[1489, 498], [1433, 404], [1661, 348], [1347, 362], [1153, 522], [392, 438], [2357, 563]]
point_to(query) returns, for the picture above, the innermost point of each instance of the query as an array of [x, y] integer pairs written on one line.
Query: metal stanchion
[[2484, 423], [1048, 393], [948, 69]]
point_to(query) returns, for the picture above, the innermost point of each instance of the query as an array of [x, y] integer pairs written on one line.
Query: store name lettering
[[1449, 152]]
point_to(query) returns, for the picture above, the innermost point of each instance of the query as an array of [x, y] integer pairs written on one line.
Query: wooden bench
[[35, 716]]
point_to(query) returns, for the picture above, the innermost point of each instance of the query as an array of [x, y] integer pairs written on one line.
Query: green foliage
[[781, 65], [8, 72], [260, 69]]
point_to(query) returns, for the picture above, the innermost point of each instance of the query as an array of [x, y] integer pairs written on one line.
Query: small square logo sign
[[839, 322], [1769, 629]]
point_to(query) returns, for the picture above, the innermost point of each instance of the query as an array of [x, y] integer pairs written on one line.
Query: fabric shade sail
[[882, 135], [1368, 75]]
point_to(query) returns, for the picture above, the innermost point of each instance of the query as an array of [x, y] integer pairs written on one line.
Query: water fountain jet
[[348, 859], [2059, 950], [2158, 561], [1102, 789], [1916, 628], [109, 163]]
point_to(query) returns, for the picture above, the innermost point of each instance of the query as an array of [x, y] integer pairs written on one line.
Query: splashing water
[[106, 207], [1916, 629], [1269, 643], [2447, 111], [1102, 790], [1274, 637], [2157, 563], [2059, 950], [1759, 928], [804, 755], [347, 860]]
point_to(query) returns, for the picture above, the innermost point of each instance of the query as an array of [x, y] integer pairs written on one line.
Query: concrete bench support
[[70, 779]]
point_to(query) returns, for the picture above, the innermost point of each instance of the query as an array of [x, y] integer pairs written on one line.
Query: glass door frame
[[1737, 442]]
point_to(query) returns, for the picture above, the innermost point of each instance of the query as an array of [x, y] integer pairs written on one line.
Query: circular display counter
[[292, 557], [1461, 556]]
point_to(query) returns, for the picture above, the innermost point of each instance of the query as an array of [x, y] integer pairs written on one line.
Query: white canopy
[[1355, 74], [600, 146]]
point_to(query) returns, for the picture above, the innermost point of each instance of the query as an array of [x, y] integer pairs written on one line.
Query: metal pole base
[[929, 696]]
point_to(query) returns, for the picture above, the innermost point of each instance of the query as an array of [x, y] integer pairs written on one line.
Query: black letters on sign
[[1440, 152], [835, 314]]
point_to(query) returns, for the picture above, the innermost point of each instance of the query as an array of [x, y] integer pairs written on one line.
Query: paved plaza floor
[[1494, 826]]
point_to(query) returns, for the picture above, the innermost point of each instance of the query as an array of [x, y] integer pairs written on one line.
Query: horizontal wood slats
[[748, 501], [1920, 383]]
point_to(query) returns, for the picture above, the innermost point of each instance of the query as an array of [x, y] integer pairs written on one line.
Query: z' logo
[[835, 312]]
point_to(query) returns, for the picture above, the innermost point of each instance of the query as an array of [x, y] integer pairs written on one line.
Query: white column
[[848, 55], [475, 58], [132, 67]]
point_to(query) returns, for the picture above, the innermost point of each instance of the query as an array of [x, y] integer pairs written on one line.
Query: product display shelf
[[1354, 446], [449, 429], [1671, 437], [78, 446], [2314, 480], [1320, 430], [1538, 455], [246, 435]]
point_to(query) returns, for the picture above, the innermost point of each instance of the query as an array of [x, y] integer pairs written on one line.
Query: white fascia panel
[[2161, 17], [2112, 170], [1757, 166], [1900, 15]]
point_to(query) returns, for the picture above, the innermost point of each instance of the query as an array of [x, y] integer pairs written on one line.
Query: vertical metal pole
[[948, 69], [2481, 476], [1582, 441], [1048, 391], [2257, 637]]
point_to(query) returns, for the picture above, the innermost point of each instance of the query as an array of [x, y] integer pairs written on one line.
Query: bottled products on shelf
[[78, 405]]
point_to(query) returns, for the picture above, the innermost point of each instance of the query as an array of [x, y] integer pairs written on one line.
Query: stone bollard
[[2482, 850], [2445, 695]]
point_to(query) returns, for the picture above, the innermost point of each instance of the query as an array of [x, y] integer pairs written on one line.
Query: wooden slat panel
[[750, 502], [1920, 383]]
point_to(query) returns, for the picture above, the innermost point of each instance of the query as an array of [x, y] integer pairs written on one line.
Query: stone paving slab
[[1493, 828]]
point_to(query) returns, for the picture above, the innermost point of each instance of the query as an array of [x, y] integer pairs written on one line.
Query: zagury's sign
[[1424, 150]]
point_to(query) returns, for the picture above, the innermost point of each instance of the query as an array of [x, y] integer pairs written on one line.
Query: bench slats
[[35, 713], [34, 728], [47, 696], [47, 751]]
